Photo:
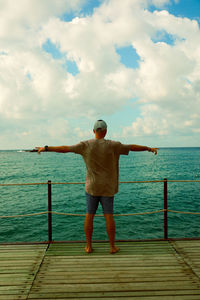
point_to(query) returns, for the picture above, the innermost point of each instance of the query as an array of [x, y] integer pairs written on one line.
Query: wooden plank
[[121, 296], [189, 251], [98, 252], [13, 297], [16, 254], [191, 297], [139, 270], [150, 273], [139, 257], [133, 245], [30, 262], [9, 288], [150, 270], [103, 249], [56, 281], [168, 297], [18, 267], [13, 247], [113, 260], [93, 287], [109, 278], [15, 281]]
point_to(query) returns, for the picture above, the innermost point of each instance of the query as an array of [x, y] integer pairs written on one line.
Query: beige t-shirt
[[102, 162]]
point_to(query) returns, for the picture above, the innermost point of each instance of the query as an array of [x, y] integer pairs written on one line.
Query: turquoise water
[[170, 163]]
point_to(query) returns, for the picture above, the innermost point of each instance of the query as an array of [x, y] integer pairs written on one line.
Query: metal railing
[[49, 184]]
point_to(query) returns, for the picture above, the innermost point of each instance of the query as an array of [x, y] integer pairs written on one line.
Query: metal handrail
[[50, 212]]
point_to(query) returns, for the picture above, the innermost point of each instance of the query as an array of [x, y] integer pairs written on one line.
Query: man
[[101, 157]]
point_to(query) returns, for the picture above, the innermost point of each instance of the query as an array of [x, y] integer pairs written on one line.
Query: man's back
[[101, 157]]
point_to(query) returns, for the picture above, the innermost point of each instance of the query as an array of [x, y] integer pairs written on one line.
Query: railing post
[[49, 214], [165, 212]]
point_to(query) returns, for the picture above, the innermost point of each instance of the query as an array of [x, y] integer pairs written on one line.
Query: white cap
[[100, 124]]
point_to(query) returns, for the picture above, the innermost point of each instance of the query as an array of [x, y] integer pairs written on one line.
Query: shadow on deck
[[141, 270]]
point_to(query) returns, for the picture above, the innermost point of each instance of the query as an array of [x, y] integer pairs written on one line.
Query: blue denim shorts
[[92, 203]]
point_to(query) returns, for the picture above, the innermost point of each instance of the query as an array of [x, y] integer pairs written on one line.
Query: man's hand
[[153, 150], [40, 149]]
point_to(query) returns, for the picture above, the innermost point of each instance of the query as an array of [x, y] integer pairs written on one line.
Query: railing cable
[[116, 215], [49, 211], [68, 183]]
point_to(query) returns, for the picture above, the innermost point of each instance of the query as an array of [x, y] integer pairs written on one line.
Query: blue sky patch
[[52, 49], [128, 57], [163, 36], [189, 9], [182, 8], [3, 53], [71, 67], [86, 10], [128, 113], [68, 16], [152, 8], [28, 75]]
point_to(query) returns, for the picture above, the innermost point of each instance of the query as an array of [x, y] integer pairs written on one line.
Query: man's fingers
[[155, 150], [38, 149]]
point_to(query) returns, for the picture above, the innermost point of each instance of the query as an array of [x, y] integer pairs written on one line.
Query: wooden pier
[[141, 270]]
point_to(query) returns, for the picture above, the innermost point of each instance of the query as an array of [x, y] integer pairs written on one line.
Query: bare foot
[[88, 249], [114, 250]]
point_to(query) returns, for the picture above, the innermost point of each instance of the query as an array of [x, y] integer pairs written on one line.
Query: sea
[[18, 166]]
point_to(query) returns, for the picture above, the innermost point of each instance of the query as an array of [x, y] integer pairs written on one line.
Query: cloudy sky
[[66, 63]]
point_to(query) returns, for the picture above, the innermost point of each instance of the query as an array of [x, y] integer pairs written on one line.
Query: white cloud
[[152, 122], [34, 86], [17, 16], [83, 134], [160, 3], [168, 77]]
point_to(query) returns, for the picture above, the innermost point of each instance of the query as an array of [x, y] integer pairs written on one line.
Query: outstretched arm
[[60, 149], [144, 148]]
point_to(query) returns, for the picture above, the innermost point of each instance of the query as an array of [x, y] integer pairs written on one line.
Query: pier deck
[[141, 270]]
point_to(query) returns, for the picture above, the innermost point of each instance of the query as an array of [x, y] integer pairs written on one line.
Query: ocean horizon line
[[165, 147]]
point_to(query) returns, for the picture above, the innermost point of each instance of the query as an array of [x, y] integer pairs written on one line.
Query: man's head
[[100, 128]]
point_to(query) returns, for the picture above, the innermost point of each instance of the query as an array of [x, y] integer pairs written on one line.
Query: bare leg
[[88, 227], [110, 227]]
